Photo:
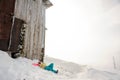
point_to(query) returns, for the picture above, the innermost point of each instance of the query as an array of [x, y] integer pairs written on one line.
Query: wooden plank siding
[[33, 13], [14, 14]]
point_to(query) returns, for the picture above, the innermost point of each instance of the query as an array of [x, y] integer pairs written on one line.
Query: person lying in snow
[[47, 67]]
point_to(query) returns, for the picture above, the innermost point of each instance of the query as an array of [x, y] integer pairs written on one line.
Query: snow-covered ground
[[22, 69]]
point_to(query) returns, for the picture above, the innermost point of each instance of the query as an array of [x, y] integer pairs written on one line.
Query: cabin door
[[9, 28]]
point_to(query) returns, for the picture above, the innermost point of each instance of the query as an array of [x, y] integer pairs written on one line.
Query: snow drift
[[22, 69]]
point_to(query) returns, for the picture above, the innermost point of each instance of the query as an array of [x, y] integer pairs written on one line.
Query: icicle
[[11, 33], [22, 36]]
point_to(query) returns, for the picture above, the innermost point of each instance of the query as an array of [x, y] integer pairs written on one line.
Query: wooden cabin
[[22, 27]]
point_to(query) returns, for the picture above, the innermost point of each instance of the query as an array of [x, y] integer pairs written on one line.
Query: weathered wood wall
[[33, 13], [6, 13]]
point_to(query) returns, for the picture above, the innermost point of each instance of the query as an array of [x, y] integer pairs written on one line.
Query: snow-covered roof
[[47, 3]]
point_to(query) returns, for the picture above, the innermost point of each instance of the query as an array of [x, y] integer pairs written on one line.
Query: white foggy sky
[[84, 31]]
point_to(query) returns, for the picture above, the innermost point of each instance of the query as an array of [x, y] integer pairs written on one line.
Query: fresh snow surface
[[22, 69]]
